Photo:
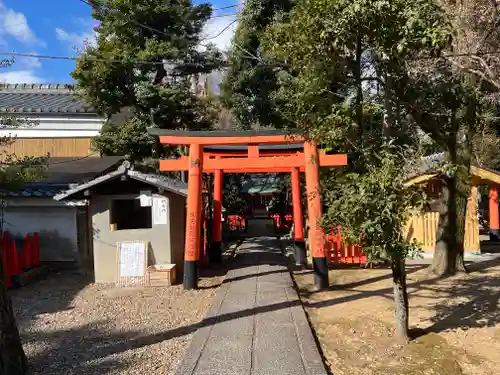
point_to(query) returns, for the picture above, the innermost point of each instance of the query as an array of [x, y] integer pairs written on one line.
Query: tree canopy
[[348, 83], [249, 86], [157, 55]]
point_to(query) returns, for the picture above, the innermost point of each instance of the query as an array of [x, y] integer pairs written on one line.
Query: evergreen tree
[[145, 62], [249, 86]]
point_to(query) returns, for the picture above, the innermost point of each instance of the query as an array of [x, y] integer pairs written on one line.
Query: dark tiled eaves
[[34, 192], [32, 99], [166, 183]]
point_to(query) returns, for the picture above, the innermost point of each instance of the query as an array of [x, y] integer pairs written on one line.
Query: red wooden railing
[[285, 224], [236, 222], [339, 252]]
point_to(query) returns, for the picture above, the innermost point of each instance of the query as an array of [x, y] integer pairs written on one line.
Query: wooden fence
[[423, 228]]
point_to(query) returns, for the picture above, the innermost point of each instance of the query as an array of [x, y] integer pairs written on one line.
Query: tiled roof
[[35, 191], [68, 170], [263, 184], [429, 163], [61, 172], [153, 179], [40, 98]]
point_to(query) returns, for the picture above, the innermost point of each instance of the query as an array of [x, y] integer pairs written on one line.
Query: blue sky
[[58, 28]]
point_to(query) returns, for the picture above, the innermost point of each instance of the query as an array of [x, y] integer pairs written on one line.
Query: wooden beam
[[227, 154], [231, 140], [420, 179], [254, 165], [256, 170], [485, 174]]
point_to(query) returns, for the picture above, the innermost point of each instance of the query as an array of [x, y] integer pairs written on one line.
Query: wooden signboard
[[132, 263]]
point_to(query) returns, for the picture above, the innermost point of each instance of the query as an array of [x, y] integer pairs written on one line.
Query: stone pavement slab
[[256, 324]]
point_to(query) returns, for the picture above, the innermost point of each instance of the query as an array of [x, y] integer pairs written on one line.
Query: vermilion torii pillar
[[494, 214], [193, 227], [215, 250], [308, 161], [298, 222], [320, 264]]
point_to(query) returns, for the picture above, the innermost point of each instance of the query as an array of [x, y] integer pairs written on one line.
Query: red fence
[[236, 222], [282, 224], [16, 263], [338, 252]]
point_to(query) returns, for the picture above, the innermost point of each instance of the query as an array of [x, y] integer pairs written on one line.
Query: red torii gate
[[250, 160]]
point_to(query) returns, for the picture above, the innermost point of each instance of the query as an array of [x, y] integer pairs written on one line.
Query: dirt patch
[[455, 322], [70, 326]]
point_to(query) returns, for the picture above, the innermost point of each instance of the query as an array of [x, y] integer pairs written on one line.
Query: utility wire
[[224, 15], [74, 58], [227, 7], [145, 62], [222, 31], [72, 160], [152, 28], [111, 10]]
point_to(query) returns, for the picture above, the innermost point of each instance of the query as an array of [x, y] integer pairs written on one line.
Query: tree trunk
[[12, 358], [359, 88], [463, 191], [445, 238], [449, 250], [400, 298]]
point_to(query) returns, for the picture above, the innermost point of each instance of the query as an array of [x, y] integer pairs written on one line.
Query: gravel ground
[[71, 326]]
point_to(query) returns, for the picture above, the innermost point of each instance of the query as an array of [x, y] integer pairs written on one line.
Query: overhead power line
[[227, 7], [73, 160], [74, 58], [146, 62], [147, 27], [115, 11], [221, 32], [225, 15]]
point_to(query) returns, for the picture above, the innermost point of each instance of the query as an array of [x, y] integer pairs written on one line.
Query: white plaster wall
[[44, 126], [56, 226], [105, 241]]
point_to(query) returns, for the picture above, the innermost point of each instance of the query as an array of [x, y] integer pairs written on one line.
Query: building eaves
[[162, 182], [41, 98]]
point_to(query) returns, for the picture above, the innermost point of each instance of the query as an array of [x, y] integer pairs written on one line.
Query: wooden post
[[494, 216], [215, 255], [316, 245], [298, 222], [193, 219]]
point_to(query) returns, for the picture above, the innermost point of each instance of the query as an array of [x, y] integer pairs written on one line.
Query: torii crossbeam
[[294, 155]]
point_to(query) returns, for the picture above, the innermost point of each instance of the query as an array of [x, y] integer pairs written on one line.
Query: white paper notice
[[146, 198], [160, 211], [132, 259]]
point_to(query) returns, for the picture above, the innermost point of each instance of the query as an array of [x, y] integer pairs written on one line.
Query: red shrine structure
[[251, 152]]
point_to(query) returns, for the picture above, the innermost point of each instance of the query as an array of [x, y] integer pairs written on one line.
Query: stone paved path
[[256, 324]]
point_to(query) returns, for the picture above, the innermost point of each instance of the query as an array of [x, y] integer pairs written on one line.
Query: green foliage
[[129, 139], [373, 207], [157, 95], [16, 170], [233, 199], [249, 87]]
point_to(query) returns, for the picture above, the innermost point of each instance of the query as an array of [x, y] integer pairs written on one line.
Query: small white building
[[56, 123]]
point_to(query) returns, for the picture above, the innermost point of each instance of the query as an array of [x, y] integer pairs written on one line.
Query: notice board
[[132, 262]]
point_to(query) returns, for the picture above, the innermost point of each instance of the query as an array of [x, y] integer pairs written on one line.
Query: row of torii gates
[[255, 152]]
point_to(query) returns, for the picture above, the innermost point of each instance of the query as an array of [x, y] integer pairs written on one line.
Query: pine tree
[[156, 53]]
